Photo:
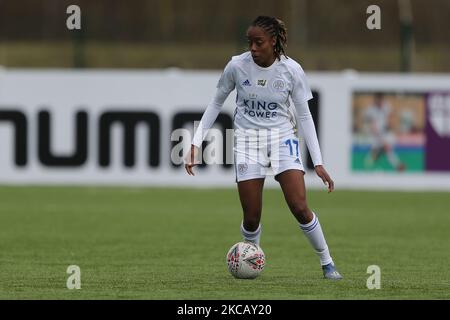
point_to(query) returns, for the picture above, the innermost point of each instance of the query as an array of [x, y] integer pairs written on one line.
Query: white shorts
[[258, 160]]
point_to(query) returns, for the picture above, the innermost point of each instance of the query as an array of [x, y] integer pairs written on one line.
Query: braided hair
[[275, 28]]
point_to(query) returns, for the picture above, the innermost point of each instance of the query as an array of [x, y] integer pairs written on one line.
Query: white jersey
[[262, 100]]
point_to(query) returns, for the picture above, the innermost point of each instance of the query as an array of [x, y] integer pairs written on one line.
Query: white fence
[[76, 127]]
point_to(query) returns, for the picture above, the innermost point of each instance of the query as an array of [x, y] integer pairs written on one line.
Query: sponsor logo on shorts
[[242, 168]]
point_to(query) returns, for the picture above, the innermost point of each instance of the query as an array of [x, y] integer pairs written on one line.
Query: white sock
[[313, 231], [252, 236]]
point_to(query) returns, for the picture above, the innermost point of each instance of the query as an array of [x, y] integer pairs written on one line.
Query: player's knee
[[300, 208]]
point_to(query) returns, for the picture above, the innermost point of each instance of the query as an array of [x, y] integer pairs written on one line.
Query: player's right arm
[[225, 85]]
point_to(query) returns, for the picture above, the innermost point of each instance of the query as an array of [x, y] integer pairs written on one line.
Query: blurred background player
[[265, 78], [382, 139]]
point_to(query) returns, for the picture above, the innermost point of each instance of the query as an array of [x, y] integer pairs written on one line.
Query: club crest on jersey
[[278, 84], [261, 83], [246, 83]]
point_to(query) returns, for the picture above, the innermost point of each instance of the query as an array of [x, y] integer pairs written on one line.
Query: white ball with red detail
[[245, 260]]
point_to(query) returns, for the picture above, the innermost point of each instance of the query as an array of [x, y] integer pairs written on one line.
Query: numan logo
[[128, 119]]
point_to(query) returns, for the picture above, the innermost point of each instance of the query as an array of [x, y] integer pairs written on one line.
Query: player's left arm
[[323, 174], [307, 129], [300, 94]]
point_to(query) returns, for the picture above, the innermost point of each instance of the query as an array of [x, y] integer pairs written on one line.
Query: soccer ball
[[245, 260]]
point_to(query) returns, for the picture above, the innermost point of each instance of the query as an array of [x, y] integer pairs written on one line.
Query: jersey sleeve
[[301, 92], [307, 129], [226, 82], [224, 87]]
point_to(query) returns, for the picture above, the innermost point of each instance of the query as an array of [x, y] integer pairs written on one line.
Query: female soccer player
[[265, 131]]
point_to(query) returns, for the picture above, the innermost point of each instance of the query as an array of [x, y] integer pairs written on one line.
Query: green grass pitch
[[157, 243]]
